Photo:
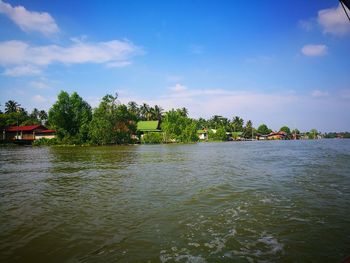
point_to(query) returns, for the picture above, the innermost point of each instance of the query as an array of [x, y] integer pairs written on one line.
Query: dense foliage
[[177, 127], [70, 116], [152, 138], [115, 123], [112, 122]]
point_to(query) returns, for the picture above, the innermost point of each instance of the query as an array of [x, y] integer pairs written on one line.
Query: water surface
[[278, 201]]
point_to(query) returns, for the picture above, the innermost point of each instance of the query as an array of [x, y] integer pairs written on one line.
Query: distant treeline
[[115, 123]]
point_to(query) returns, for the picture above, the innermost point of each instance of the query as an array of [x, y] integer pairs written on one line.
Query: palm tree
[[11, 106], [248, 130], [144, 111], [237, 124], [183, 111], [42, 116], [134, 108], [157, 112]]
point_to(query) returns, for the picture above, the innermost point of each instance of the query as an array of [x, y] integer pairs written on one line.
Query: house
[[281, 135], [261, 137], [202, 134], [27, 133], [237, 136], [148, 126]]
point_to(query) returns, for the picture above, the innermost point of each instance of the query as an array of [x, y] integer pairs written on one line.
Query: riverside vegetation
[[112, 122]]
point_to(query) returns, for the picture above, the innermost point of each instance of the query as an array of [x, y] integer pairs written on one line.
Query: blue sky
[[274, 62]]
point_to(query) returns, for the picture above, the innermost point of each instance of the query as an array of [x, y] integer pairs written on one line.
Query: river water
[[276, 201]]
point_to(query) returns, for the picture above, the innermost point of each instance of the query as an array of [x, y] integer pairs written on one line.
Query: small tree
[[263, 129], [285, 129]]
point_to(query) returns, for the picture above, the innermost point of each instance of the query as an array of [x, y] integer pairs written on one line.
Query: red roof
[[24, 128], [47, 131]]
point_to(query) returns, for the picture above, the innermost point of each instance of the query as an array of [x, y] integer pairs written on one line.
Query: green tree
[[43, 117], [249, 130], [179, 128], [145, 111], [237, 124], [219, 135], [263, 129], [134, 108], [112, 123], [285, 129], [70, 116], [295, 131], [157, 113], [313, 134], [11, 106], [102, 130]]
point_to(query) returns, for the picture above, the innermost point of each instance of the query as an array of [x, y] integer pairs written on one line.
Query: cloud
[[275, 109], [39, 99], [20, 71], [118, 64], [30, 21], [115, 53], [314, 50], [334, 21], [178, 88], [39, 85], [319, 94], [307, 25]]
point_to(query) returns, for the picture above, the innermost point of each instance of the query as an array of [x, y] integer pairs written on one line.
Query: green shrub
[[45, 141], [152, 138]]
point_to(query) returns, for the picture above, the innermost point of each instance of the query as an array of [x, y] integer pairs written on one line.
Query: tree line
[[112, 122]]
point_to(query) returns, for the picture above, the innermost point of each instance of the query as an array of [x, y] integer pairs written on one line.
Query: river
[[273, 201]]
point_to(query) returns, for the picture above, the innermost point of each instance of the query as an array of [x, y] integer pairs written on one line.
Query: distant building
[[202, 134], [281, 135], [27, 133], [237, 136], [148, 126]]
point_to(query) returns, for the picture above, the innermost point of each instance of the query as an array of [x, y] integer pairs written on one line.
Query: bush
[[45, 141], [220, 135], [152, 138]]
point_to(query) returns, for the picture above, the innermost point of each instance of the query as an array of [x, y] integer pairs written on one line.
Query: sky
[[273, 62]]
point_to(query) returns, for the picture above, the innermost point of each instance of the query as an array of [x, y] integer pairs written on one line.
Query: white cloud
[[39, 85], [118, 64], [30, 21], [178, 88], [113, 53], [39, 99], [319, 94], [20, 71], [307, 25], [314, 50], [274, 109], [334, 21]]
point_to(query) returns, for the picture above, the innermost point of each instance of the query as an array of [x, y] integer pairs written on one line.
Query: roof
[[201, 131], [282, 133], [47, 131], [148, 126], [24, 128]]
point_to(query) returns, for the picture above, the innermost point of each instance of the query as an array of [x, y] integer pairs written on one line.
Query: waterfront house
[[237, 136], [261, 137], [148, 126], [202, 134], [27, 133], [281, 135]]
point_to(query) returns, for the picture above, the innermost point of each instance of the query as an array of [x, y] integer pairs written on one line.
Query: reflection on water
[[243, 202]]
